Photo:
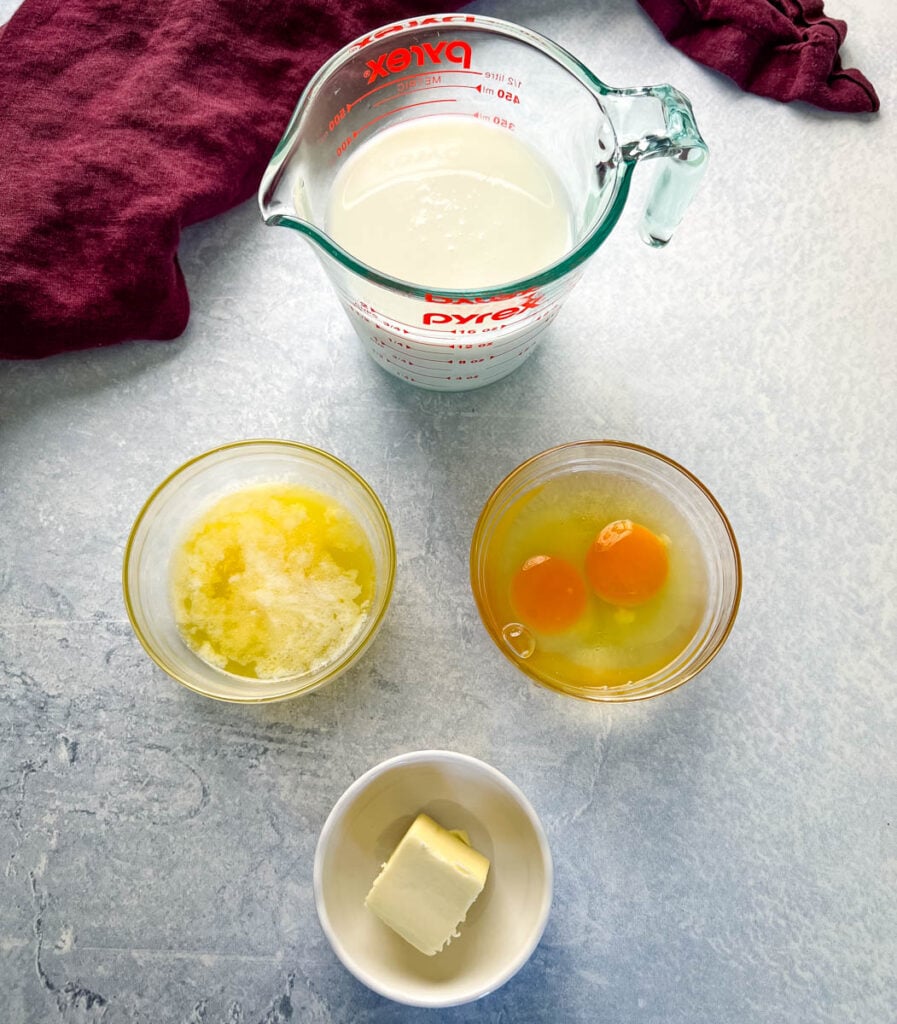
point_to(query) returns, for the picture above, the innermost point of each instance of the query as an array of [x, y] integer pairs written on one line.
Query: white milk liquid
[[449, 202]]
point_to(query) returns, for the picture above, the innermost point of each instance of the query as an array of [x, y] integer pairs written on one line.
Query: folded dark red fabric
[[123, 121], [784, 49]]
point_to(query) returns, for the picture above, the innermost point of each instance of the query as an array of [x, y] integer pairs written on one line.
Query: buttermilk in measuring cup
[[450, 201]]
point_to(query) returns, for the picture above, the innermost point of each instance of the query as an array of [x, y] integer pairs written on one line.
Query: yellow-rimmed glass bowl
[[177, 503]]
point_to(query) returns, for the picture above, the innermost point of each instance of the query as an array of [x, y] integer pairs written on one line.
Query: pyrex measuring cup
[[591, 136]]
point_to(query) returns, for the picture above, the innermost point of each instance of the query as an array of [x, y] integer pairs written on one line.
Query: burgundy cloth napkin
[[123, 121], [785, 49]]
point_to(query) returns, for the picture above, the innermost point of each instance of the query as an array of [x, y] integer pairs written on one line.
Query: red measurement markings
[[424, 88], [408, 78], [349, 139], [500, 121], [395, 110], [344, 112]]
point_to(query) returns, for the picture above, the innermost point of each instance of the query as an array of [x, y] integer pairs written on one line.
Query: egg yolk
[[627, 564], [548, 594]]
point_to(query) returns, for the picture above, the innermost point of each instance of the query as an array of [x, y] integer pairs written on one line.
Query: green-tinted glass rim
[[575, 258]]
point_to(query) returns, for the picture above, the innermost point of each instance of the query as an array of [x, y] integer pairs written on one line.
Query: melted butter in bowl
[[259, 571], [272, 581]]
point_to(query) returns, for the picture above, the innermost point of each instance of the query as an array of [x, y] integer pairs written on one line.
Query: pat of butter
[[428, 884]]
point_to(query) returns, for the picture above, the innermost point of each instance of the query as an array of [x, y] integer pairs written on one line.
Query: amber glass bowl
[[678, 488]]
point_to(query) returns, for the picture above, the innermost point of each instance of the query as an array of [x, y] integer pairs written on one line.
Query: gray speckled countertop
[[726, 853]]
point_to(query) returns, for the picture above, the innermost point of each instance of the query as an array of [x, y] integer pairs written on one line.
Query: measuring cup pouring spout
[[406, 105]]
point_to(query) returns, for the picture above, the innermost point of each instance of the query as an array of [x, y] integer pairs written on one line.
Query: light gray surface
[[727, 853]]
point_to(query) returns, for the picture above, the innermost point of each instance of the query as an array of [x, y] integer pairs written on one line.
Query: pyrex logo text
[[526, 300], [402, 57]]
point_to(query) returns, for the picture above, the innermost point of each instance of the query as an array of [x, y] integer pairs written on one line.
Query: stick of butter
[[428, 884]]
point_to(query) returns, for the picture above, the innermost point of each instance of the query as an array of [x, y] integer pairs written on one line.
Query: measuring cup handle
[[658, 121]]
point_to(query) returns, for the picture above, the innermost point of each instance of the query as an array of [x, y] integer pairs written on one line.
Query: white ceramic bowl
[[503, 926]]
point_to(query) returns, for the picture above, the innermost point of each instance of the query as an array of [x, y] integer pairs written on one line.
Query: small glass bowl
[[690, 498], [175, 505]]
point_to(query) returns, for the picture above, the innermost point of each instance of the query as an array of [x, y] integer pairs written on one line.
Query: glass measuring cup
[[588, 134]]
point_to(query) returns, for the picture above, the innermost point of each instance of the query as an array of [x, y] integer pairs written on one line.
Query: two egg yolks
[[626, 565]]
